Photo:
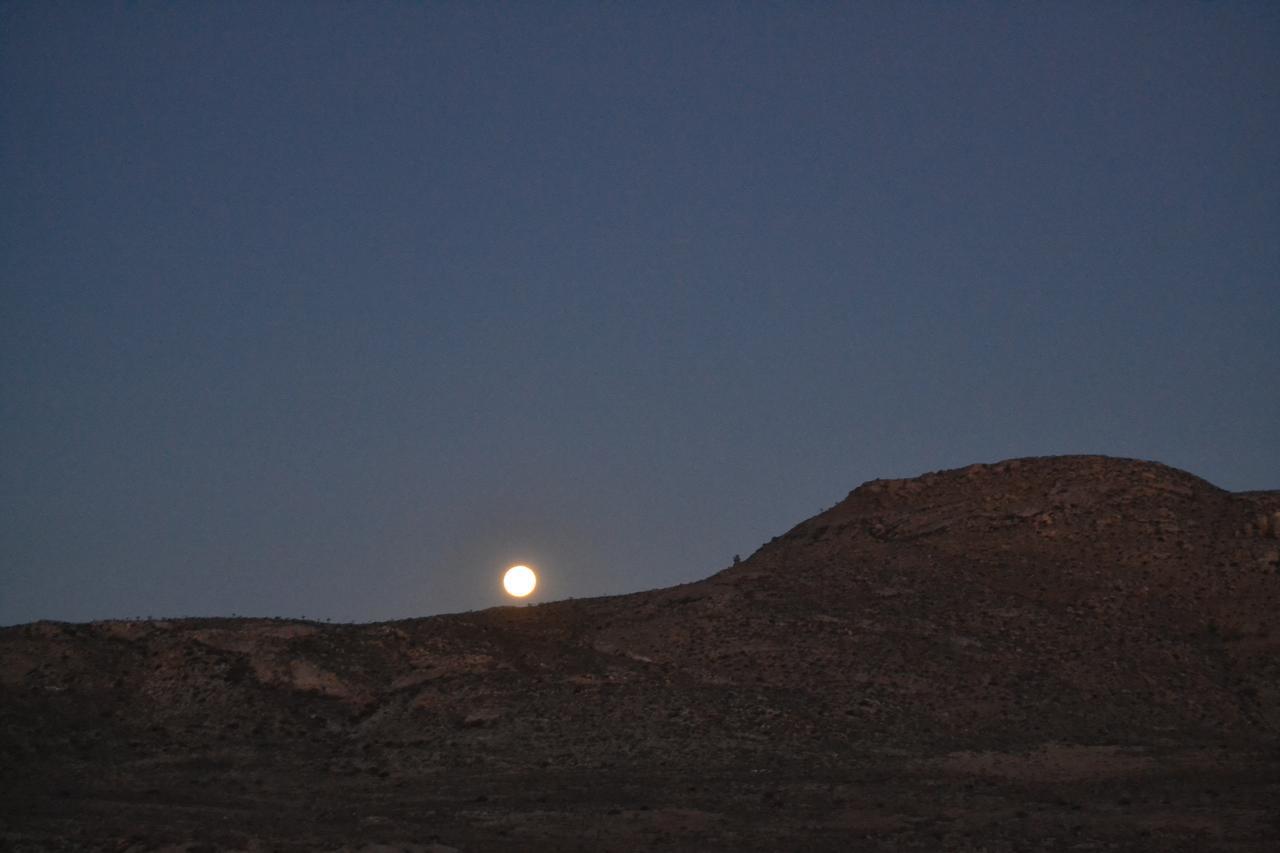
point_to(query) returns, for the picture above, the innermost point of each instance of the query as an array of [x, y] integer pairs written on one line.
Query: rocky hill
[[1052, 653]]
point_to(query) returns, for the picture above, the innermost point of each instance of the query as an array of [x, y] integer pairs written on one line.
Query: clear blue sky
[[336, 309]]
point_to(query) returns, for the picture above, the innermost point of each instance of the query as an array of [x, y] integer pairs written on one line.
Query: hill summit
[[1060, 652]]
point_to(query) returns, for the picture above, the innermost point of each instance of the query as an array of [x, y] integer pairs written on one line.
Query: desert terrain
[[1058, 653]]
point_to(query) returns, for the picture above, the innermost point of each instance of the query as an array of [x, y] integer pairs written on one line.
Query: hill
[[1049, 653]]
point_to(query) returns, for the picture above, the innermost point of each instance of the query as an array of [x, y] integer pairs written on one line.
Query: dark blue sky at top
[[338, 309]]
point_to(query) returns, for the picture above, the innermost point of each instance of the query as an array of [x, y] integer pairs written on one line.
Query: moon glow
[[519, 581]]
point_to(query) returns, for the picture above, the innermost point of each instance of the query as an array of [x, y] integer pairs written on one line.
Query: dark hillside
[[1052, 653]]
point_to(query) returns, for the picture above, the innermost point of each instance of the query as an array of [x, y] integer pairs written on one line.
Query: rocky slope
[[1051, 653]]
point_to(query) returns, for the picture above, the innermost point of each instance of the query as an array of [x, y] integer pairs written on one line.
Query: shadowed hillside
[[1051, 653]]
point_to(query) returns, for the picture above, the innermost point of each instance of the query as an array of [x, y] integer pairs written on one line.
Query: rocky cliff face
[[1043, 652]]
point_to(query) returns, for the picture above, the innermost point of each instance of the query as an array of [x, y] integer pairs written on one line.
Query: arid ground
[[1062, 653]]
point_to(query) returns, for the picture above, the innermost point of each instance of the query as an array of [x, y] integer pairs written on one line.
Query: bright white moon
[[519, 581]]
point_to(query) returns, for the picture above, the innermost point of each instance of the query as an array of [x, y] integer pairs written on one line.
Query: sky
[[337, 310]]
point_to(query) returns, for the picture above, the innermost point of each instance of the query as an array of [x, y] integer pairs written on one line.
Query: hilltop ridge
[[908, 668]]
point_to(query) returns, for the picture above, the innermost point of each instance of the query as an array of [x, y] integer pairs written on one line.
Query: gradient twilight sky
[[340, 309]]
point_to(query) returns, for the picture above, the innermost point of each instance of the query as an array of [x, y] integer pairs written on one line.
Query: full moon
[[519, 581]]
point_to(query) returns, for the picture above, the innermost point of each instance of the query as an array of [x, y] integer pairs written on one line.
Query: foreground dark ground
[[1074, 653]]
